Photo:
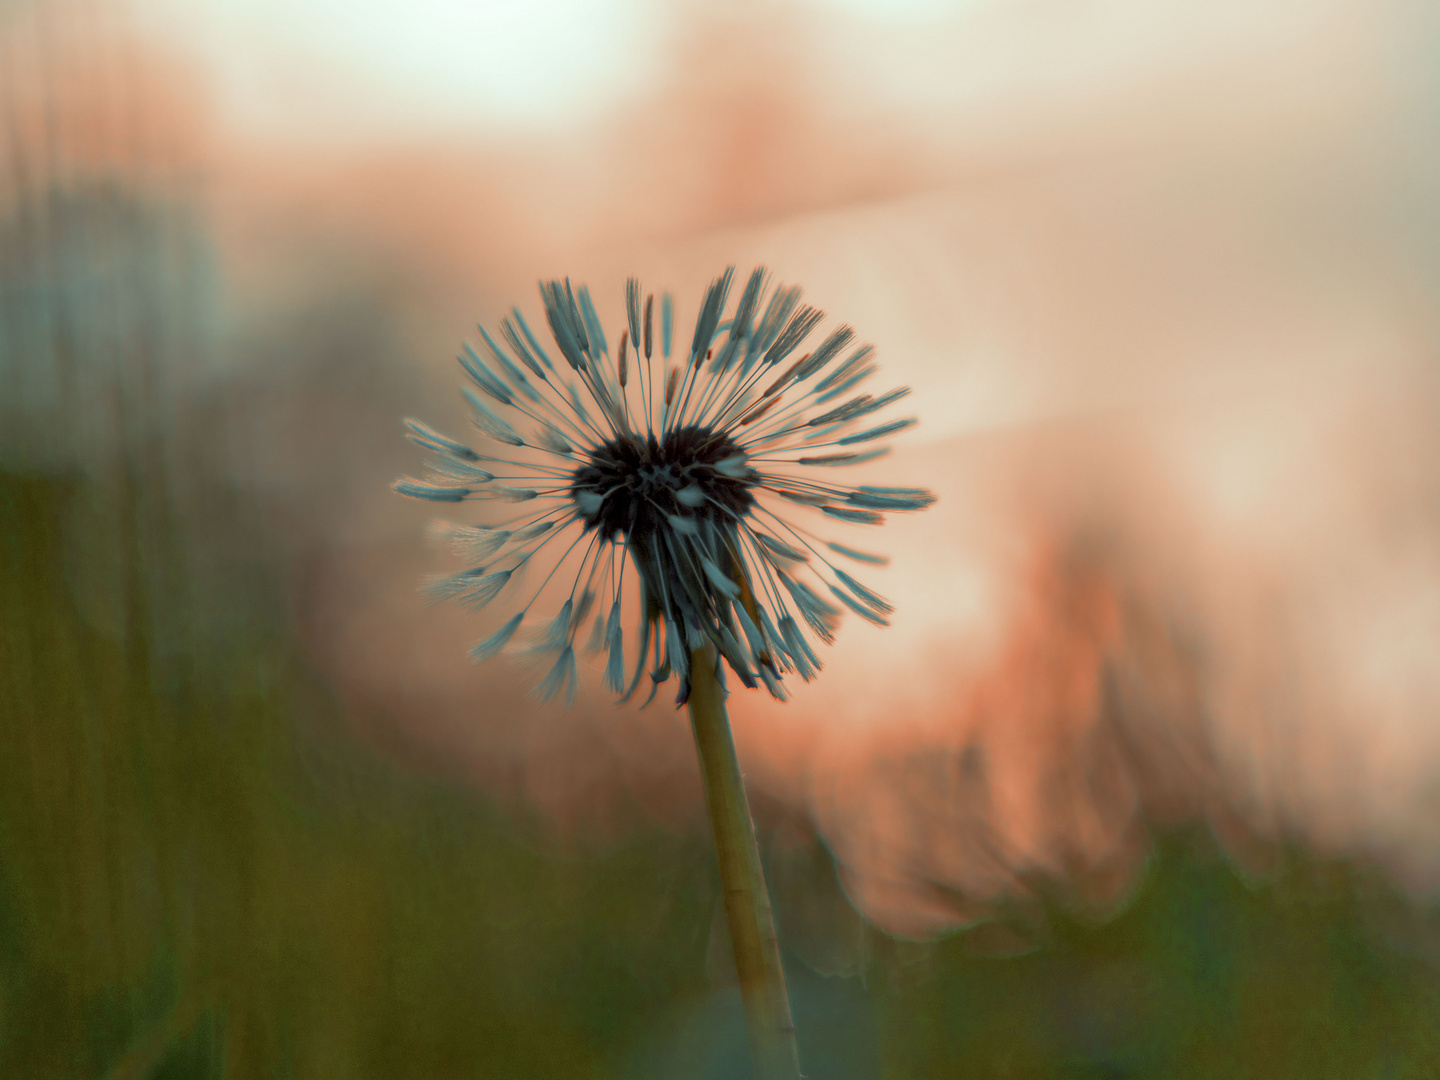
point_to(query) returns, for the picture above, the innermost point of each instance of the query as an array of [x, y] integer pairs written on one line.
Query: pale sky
[[339, 70]]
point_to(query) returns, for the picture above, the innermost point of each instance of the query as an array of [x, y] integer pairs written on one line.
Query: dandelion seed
[[561, 677], [615, 644], [419, 489], [496, 641], [474, 588], [511, 494], [877, 432], [779, 547], [858, 517], [691, 496], [863, 610], [874, 501], [859, 556], [475, 542], [491, 424], [430, 439], [798, 648], [871, 599], [531, 531], [840, 459], [649, 325], [684, 472], [459, 471], [718, 578], [558, 633], [683, 526]]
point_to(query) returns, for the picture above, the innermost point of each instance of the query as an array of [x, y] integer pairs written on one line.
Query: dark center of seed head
[[639, 480]]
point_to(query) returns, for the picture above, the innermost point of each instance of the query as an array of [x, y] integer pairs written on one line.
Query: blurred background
[[1143, 781]]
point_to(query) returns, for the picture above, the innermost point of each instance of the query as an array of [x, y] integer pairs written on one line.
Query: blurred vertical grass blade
[[168, 857], [198, 875]]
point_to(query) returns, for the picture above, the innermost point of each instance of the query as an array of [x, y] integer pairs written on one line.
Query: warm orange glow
[[1167, 308]]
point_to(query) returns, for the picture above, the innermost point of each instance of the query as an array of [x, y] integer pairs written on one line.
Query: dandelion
[[709, 474]]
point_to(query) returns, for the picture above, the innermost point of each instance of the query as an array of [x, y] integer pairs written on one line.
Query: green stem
[[747, 905]]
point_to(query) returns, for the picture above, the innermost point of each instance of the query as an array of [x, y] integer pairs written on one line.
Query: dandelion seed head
[[642, 481], [694, 474]]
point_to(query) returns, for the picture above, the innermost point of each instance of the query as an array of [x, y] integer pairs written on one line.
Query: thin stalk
[[747, 904]]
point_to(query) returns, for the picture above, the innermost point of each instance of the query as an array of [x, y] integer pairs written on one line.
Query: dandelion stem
[[747, 905]]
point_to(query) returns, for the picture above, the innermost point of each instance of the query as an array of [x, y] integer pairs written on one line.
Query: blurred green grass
[[202, 876], [207, 864]]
